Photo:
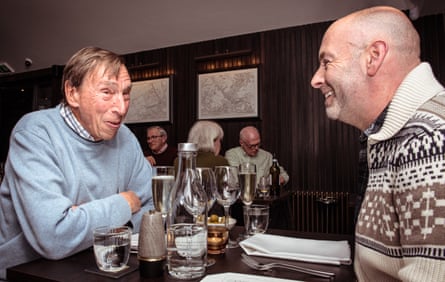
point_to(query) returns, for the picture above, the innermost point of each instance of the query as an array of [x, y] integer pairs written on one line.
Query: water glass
[[187, 250], [256, 219], [112, 248]]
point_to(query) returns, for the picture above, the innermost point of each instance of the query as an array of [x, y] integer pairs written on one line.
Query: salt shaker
[[152, 248]]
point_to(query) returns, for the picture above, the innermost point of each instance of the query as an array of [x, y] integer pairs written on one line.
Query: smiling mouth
[[115, 124], [329, 94]]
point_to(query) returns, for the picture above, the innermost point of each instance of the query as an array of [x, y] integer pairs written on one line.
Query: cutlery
[[251, 262]]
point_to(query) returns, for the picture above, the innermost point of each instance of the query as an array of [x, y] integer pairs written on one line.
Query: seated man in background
[[159, 153], [250, 151], [73, 168]]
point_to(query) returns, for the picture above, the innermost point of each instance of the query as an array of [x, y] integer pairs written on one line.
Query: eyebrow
[[324, 55]]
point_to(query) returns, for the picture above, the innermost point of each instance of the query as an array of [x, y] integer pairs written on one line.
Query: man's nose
[[120, 104], [318, 78]]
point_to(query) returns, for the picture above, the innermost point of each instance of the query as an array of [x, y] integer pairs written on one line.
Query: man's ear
[[376, 53], [71, 94]]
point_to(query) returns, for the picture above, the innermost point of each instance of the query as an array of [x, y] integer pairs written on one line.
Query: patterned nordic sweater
[[400, 231]]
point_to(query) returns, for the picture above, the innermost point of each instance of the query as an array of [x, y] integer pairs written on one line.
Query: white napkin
[[238, 277], [308, 250]]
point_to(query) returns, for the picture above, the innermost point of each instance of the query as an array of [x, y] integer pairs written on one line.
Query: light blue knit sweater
[[49, 169]]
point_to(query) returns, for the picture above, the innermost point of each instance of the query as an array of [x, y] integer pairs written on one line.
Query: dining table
[[82, 266]]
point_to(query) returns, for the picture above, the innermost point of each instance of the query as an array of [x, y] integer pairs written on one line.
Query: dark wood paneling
[[319, 154]]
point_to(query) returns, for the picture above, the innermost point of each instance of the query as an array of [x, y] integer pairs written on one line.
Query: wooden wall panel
[[319, 154]]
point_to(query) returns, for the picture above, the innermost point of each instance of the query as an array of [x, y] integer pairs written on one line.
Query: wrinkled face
[[339, 76], [101, 102], [155, 140], [251, 145]]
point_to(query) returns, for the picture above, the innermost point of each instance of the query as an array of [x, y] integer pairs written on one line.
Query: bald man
[[372, 78], [250, 151]]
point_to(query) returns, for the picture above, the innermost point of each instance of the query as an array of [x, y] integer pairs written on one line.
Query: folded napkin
[[308, 250], [238, 277]]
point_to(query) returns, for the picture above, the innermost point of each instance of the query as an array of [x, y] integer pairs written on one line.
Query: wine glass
[[208, 183], [195, 198], [162, 181], [247, 181], [264, 186], [227, 192]]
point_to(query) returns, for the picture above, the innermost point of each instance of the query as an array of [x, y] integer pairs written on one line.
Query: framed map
[[150, 101], [228, 94]]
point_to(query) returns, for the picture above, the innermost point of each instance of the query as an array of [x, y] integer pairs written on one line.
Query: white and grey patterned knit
[[401, 225]]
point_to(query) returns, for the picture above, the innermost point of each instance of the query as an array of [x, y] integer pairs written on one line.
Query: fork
[[251, 262]]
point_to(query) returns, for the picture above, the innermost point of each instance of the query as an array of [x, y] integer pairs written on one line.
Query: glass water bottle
[[187, 219]]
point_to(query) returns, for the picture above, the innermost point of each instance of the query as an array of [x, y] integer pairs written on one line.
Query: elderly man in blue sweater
[[74, 167]]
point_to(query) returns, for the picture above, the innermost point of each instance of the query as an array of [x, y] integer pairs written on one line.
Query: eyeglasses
[[153, 137], [252, 146]]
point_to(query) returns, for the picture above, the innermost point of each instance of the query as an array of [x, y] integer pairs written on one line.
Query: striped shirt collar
[[73, 123]]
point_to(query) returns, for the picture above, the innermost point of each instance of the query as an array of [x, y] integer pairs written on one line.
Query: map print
[[228, 94], [150, 101]]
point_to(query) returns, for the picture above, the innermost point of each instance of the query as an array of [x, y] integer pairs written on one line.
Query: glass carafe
[[187, 219]]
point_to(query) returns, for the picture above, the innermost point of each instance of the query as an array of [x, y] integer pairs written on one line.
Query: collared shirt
[[162, 150], [73, 123], [262, 160]]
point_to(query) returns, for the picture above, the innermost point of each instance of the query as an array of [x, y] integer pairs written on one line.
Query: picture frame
[[150, 101], [228, 94]]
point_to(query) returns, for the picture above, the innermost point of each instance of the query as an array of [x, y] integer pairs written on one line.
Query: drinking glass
[[247, 181], [263, 187], [227, 192], [208, 183], [195, 198], [112, 248], [163, 179], [256, 219]]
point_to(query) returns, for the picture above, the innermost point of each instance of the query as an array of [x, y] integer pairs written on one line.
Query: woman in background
[[208, 136]]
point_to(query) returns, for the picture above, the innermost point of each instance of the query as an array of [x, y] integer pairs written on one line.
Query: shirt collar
[[162, 149], [375, 126], [73, 123]]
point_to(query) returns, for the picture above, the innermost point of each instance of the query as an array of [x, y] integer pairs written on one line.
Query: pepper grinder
[[152, 248]]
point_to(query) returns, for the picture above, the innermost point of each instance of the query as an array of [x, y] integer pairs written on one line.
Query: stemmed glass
[[195, 198], [247, 181], [227, 192], [264, 186], [163, 179], [208, 183]]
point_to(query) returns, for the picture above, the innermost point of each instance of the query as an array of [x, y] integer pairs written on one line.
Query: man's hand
[[133, 200], [151, 160]]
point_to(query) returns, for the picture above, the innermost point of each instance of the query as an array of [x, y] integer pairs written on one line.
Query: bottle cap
[[187, 147]]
